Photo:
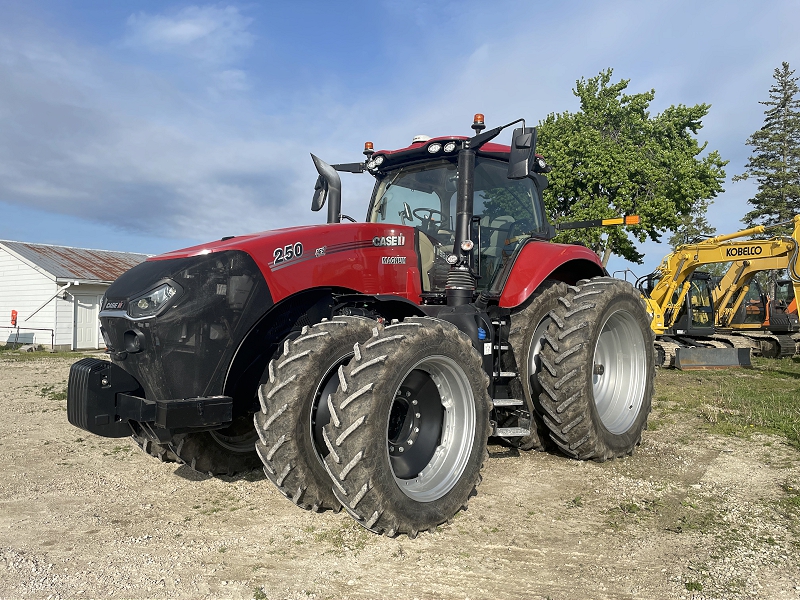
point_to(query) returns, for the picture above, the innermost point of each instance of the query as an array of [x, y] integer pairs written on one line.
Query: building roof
[[65, 263]]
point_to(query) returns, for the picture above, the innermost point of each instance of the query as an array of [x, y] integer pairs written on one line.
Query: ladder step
[[501, 347], [507, 402], [512, 432], [505, 374], [498, 322]]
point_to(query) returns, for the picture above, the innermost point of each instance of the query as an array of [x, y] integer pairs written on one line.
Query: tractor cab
[[506, 211], [473, 203]]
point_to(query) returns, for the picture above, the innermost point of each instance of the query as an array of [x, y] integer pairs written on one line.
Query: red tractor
[[376, 359]]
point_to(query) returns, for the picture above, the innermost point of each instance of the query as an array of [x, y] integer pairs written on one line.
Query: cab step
[[507, 402], [512, 432], [505, 374]]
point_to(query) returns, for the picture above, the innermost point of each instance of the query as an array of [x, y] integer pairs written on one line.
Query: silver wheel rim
[[449, 459], [619, 372]]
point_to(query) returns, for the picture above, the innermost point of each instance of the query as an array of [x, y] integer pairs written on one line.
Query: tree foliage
[[693, 227], [613, 158], [775, 162]]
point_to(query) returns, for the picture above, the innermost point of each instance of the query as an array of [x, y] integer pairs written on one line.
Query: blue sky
[[147, 126]]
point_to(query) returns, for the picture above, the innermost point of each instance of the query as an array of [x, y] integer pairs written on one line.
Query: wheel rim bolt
[[599, 369], [400, 449], [410, 442], [414, 402], [417, 415]]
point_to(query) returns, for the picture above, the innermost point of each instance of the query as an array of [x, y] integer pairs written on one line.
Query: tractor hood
[[370, 258]]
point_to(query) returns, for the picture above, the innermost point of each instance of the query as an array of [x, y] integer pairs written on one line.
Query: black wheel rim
[[415, 425]]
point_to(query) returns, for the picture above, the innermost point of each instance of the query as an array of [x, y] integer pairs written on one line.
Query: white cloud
[[232, 80], [213, 34], [84, 135]]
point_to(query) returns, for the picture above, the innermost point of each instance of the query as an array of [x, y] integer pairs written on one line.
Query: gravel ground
[[690, 515]]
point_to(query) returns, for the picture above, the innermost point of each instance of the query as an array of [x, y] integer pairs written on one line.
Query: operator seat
[[494, 233]]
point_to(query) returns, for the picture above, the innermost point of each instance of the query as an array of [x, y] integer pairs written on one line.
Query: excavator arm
[[731, 290]]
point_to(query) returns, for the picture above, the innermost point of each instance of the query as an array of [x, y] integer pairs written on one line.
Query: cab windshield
[[506, 211]]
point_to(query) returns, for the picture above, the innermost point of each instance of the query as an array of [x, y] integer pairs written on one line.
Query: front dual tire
[[408, 433]]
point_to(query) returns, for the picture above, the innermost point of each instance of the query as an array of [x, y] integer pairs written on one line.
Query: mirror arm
[[350, 167], [479, 140]]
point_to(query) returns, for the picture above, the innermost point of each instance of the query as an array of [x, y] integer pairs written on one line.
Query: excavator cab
[[781, 312], [752, 311], [696, 318]]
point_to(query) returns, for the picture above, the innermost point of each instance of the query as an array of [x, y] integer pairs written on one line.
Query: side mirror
[[328, 186], [320, 193], [523, 148]]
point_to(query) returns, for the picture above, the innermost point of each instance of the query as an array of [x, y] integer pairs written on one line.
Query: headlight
[[152, 302], [449, 146]]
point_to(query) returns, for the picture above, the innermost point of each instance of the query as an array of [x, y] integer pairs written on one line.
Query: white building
[[56, 293]]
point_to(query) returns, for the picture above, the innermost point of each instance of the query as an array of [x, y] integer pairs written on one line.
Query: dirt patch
[[690, 515]]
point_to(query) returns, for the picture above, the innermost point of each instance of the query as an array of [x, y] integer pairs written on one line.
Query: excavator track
[[773, 345], [738, 341], [665, 352]]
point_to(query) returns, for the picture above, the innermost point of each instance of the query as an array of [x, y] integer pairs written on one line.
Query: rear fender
[[538, 261]]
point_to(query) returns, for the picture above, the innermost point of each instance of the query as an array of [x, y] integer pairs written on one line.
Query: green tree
[[693, 227], [775, 162], [613, 158]]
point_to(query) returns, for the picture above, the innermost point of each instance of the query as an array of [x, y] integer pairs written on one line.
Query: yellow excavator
[[685, 309], [767, 319]]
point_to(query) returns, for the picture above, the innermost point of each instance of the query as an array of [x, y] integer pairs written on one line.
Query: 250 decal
[[287, 253]]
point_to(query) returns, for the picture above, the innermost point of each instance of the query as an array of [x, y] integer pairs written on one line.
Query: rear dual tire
[[597, 370]]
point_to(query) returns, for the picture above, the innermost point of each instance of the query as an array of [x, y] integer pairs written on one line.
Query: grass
[[51, 393], [792, 500], [736, 402], [11, 353]]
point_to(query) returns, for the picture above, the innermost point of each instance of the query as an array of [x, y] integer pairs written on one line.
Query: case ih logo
[[747, 251], [114, 304], [389, 240]]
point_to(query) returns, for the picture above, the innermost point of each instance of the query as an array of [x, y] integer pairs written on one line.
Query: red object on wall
[[14, 318]]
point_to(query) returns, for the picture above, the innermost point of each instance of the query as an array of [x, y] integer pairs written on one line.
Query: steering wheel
[[431, 212]]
